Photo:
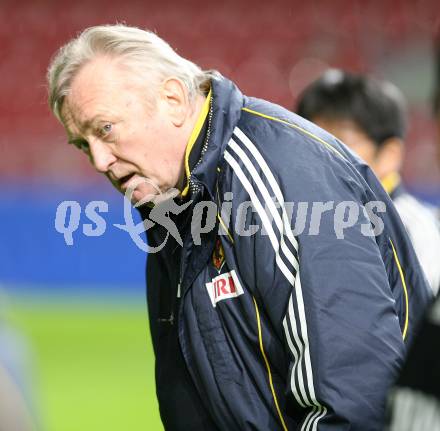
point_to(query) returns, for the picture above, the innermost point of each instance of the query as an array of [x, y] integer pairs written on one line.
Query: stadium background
[[78, 312]]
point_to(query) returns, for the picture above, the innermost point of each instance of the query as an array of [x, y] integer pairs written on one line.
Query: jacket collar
[[392, 184], [226, 101], [193, 150]]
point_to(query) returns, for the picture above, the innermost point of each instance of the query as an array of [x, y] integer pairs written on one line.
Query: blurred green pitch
[[93, 363]]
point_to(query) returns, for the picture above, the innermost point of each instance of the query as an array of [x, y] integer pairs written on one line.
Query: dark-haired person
[[436, 98], [414, 402], [369, 116], [256, 325]]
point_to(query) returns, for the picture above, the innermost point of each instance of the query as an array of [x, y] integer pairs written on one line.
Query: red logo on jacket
[[224, 286], [218, 256]]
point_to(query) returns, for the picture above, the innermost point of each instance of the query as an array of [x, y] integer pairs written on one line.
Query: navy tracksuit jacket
[[302, 324]]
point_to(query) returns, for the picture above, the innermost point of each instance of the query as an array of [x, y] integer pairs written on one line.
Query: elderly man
[[369, 116], [259, 322]]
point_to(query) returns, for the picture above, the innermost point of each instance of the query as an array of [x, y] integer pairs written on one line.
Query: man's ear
[[174, 95], [389, 159]]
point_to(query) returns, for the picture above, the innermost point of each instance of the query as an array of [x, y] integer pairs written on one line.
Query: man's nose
[[101, 155]]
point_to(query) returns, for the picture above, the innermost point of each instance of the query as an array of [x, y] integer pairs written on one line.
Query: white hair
[[141, 51]]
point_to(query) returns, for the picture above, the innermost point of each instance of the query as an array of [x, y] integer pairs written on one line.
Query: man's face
[[385, 160], [107, 116], [352, 136]]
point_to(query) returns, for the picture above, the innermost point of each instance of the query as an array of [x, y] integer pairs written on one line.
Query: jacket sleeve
[[324, 287], [341, 330]]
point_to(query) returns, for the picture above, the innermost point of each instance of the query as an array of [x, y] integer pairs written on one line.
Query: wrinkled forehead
[[100, 87], [94, 81]]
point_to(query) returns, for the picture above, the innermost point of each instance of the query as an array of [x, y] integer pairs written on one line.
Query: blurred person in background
[[16, 410], [414, 402], [276, 331], [436, 97], [436, 100], [369, 116]]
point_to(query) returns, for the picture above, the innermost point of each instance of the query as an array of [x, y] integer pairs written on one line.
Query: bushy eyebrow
[[89, 124]]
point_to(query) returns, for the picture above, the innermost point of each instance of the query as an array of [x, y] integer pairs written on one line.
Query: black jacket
[[290, 327]]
